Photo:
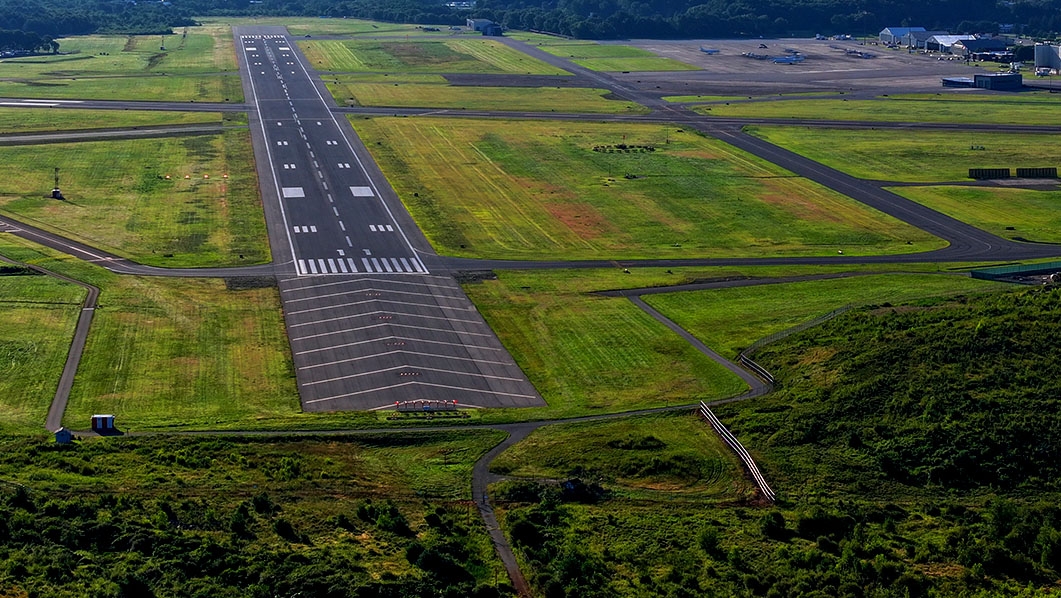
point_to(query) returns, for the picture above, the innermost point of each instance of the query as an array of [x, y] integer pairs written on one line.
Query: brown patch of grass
[[583, 220]]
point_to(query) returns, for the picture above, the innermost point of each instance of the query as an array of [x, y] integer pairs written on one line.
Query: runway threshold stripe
[[301, 266], [350, 260], [368, 267], [342, 265], [331, 264], [393, 386], [312, 266], [412, 367], [386, 264]]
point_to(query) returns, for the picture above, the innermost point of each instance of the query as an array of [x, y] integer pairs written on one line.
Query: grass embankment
[[373, 515], [591, 354], [403, 92], [459, 55], [29, 120], [607, 57], [120, 201], [728, 320], [646, 457], [898, 439], [1017, 109], [37, 319], [197, 66], [539, 190], [176, 353], [929, 156]]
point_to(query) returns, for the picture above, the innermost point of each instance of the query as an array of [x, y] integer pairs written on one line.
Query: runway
[[369, 323]]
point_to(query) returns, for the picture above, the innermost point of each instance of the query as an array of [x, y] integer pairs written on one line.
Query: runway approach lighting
[[56, 193]]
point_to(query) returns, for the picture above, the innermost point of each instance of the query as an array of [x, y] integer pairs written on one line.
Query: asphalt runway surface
[[369, 324]]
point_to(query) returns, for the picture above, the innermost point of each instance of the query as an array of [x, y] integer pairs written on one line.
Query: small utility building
[[485, 26], [999, 81], [894, 35]]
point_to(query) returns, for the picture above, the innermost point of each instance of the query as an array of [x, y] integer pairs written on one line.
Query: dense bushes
[[961, 394]]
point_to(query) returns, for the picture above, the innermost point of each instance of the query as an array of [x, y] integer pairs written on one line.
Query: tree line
[[591, 19]]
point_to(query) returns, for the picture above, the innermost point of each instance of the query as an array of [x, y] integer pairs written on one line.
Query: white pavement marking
[[348, 330], [312, 266], [362, 191], [341, 225], [331, 265], [350, 261], [397, 338], [394, 281], [292, 192], [342, 266], [395, 262], [418, 368], [349, 243], [406, 265], [375, 264], [372, 227], [414, 383], [324, 268], [402, 352], [387, 301], [385, 312], [301, 266]]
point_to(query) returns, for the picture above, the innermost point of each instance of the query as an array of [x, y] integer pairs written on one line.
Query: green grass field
[[636, 456], [198, 65], [728, 320], [192, 50], [710, 98], [173, 353], [607, 57], [162, 88], [1020, 214], [460, 55], [26, 120], [405, 94], [591, 354], [37, 319], [178, 353], [929, 156], [119, 200], [539, 190], [948, 108], [317, 26]]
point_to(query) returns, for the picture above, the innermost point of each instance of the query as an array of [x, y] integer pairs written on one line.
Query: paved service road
[[369, 324]]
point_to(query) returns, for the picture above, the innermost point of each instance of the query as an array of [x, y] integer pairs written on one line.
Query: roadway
[[369, 324]]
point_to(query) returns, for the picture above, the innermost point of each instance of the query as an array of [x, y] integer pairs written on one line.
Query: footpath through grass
[[373, 515], [458, 55], [557, 190], [1016, 109], [928, 156], [398, 92], [607, 57], [728, 320], [118, 198], [176, 353], [37, 319]]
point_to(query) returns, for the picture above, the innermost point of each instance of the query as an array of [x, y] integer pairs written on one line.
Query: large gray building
[[894, 35]]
